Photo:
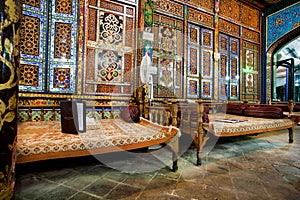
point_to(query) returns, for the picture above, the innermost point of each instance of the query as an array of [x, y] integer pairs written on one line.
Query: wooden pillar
[[10, 12]]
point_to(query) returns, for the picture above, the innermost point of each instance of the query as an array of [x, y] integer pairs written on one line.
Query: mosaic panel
[[128, 63], [223, 90], [234, 91], [229, 28], [109, 61], [178, 79], [31, 38], [169, 7], [192, 87], [62, 40], [167, 40], [207, 38], [109, 89], [111, 28], [250, 35], [207, 64], [200, 17], [202, 4], [155, 43], [92, 21], [33, 3], [93, 2], [234, 46], [249, 83], [193, 35], [22, 115], [29, 75], [129, 11], [109, 66], [250, 16], [112, 6], [231, 9], [282, 22], [250, 63], [223, 43], [179, 43], [61, 78], [129, 35], [90, 64], [63, 6], [206, 89], [193, 62], [223, 66], [166, 73], [168, 37], [234, 68]]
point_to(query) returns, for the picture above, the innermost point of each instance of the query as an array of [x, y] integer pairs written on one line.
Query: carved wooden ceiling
[[262, 3]]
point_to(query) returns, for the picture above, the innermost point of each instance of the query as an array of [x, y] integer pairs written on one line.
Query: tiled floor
[[265, 166]]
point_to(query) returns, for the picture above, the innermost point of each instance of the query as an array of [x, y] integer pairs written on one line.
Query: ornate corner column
[[10, 14], [216, 49]]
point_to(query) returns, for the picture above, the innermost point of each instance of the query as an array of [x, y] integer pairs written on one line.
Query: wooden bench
[[193, 123], [43, 140]]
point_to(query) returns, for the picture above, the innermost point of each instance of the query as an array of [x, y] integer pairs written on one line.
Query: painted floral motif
[[166, 74], [111, 29], [109, 66], [148, 12]]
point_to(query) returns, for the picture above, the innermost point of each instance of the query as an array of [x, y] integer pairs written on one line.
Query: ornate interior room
[[149, 83]]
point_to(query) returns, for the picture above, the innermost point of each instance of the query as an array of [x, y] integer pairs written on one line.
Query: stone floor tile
[[101, 187], [31, 186]]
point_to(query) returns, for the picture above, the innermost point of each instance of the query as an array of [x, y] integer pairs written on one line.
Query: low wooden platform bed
[[206, 118], [44, 140]]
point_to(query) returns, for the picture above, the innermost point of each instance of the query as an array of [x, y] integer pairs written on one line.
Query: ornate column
[[10, 12], [216, 49]]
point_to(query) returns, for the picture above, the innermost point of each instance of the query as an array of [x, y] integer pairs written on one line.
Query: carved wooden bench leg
[[291, 134], [174, 144]]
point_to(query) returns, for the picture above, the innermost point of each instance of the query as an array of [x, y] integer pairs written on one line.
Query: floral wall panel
[[250, 70], [193, 62], [199, 62], [193, 87], [33, 46], [167, 56], [109, 53], [206, 91], [207, 63], [229, 68]]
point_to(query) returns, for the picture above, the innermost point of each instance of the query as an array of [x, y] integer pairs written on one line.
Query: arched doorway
[[281, 47]]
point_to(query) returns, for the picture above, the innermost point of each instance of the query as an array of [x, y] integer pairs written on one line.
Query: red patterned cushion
[[264, 111], [235, 109], [131, 114]]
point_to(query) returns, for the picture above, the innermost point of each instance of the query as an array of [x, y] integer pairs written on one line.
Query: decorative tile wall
[[110, 45], [48, 47]]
